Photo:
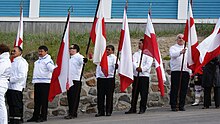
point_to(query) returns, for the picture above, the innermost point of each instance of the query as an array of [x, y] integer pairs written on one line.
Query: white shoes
[[196, 103]]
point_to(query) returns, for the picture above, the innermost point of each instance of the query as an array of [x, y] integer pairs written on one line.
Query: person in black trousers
[[179, 88], [75, 68], [211, 78], [141, 81], [17, 83], [106, 85], [42, 74]]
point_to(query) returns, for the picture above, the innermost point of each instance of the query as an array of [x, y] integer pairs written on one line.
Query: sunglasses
[[71, 48], [180, 38]]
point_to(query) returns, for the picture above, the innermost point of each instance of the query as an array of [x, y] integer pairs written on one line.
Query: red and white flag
[[98, 36], [60, 77], [210, 47], [150, 45], [125, 65], [19, 38], [190, 36]]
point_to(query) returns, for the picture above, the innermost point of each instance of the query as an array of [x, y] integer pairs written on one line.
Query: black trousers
[[73, 96], [175, 80], [207, 96], [41, 92], [15, 103], [105, 89], [140, 86]]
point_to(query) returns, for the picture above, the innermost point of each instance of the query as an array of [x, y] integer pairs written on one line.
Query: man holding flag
[[75, 67], [179, 77], [141, 81], [106, 85]]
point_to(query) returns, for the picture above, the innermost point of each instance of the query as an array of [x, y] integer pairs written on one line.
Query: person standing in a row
[[42, 74], [5, 69], [210, 79], [75, 68], [18, 77], [106, 85], [141, 83], [178, 91]]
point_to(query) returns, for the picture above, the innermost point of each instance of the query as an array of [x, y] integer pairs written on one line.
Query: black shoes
[[174, 109], [141, 111], [108, 114], [130, 112], [70, 117], [99, 114], [32, 120], [36, 120], [205, 107], [182, 109]]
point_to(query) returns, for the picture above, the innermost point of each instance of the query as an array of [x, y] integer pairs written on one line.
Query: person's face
[[109, 51], [15, 52], [140, 45], [41, 52], [180, 40], [72, 51]]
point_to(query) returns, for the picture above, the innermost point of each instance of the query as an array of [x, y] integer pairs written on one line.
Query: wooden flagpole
[[181, 71]]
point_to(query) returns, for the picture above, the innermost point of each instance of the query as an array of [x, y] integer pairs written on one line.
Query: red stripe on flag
[[121, 40], [104, 64], [195, 57], [147, 49], [160, 80], [103, 28], [186, 32], [55, 85], [20, 42], [125, 82], [93, 32], [191, 22]]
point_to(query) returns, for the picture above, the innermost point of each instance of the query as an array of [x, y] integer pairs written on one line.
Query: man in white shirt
[[5, 69], [17, 83], [42, 74], [75, 68], [141, 82], [176, 54], [106, 85]]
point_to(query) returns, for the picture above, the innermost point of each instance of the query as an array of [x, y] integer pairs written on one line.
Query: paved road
[[159, 115]]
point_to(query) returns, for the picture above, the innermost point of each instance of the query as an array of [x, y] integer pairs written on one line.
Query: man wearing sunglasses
[[16, 85]]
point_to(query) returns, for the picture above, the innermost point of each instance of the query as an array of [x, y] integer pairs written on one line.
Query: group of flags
[[198, 54]]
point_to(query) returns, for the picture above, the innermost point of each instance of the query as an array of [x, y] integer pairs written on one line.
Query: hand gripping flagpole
[[87, 49], [181, 71]]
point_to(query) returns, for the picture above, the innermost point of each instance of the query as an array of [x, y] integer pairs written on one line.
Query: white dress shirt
[[43, 69], [5, 69], [111, 67], [19, 69], [75, 66], [145, 64], [176, 58]]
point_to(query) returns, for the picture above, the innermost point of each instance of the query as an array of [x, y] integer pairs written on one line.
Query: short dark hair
[[20, 49], [43, 47], [142, 40], [75, 46], [4, 48], [111, 47]]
